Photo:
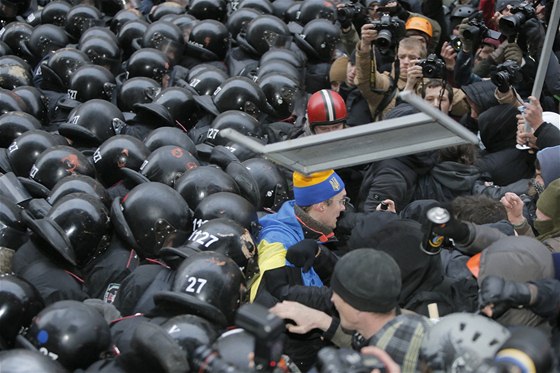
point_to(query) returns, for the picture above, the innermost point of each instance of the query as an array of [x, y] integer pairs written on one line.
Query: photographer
[[366, 284], [380, 90]]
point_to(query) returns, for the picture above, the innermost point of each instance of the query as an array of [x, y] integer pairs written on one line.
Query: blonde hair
[[412, 43]]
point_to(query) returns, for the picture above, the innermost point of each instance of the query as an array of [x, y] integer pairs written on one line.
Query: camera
[[506, 75], [456, 43], [268, 332], [332, 360], [205, 359], [432, 67], [477, 30], [387, 27], [510, 25], [351, 9]]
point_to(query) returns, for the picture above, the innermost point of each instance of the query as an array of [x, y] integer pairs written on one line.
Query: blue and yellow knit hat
[[317, 187]]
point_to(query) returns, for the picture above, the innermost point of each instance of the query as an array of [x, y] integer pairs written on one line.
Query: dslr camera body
[[332, 360], [506, 75], [352, 9], [388, 29], [265, 327], [511, 25], [477, 30], [432, 67]]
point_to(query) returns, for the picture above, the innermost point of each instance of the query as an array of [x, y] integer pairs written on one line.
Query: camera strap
[[387, 94]]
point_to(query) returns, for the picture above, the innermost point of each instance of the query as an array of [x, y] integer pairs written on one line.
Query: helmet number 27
[[195, 284]]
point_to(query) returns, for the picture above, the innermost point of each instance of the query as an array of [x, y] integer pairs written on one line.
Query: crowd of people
[[136, 237]]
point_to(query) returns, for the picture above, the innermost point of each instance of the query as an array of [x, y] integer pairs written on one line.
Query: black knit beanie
[[369, 280]]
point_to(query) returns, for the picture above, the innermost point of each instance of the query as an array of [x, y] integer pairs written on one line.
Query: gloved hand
[[513, 52], [498, 55], [303, 253], [502, 295], [455, 229], [467, 44]]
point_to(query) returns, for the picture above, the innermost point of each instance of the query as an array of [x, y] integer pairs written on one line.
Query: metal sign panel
[[391, 138]]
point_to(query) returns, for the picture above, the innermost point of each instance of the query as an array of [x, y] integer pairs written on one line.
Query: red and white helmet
[[325, 107]]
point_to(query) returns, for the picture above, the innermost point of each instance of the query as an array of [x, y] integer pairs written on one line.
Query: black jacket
[[52, 277]]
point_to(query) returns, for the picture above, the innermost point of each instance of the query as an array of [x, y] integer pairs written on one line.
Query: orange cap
[[419, 24]]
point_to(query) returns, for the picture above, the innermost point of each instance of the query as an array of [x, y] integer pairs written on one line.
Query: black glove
[[303, 254], [503, 295], [455, 229]]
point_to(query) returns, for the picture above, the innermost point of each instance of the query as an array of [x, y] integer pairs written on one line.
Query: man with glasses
[[293, 260]]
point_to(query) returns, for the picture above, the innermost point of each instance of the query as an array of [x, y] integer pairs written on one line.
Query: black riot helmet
[[77, 227], [273, 186], [92, 122], [164, 9], [81, 17], [292, 12], [240, 93], [79, 184], [185, 22], [207, 284], [225, 236], [279, 67], [167, 164], [60, 67], [55, 13], [5, 50], [208, 9], [35, 101], [148, 62], [12, 229], [116, 153], [91, 82], [16, 35], [26, 148], [166, 37], [267, 31], [10, 9], [122, 17], [57, 162], [190, 332], [9, 102], [285, 55], [128, 32], [169, 136], [227, 205], [13, 124], [282, 93], [20, 302], [318, 39], [135, 91], [208, 40], [103, 52], [47, 38], [238, 120], [76, 334], [19, 360], [198, 183], [279, 8], [98, 32], [238, 20], [316, 9], [13, 76], [205, 80], [181, 105], [264, 6], [148, 214]]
